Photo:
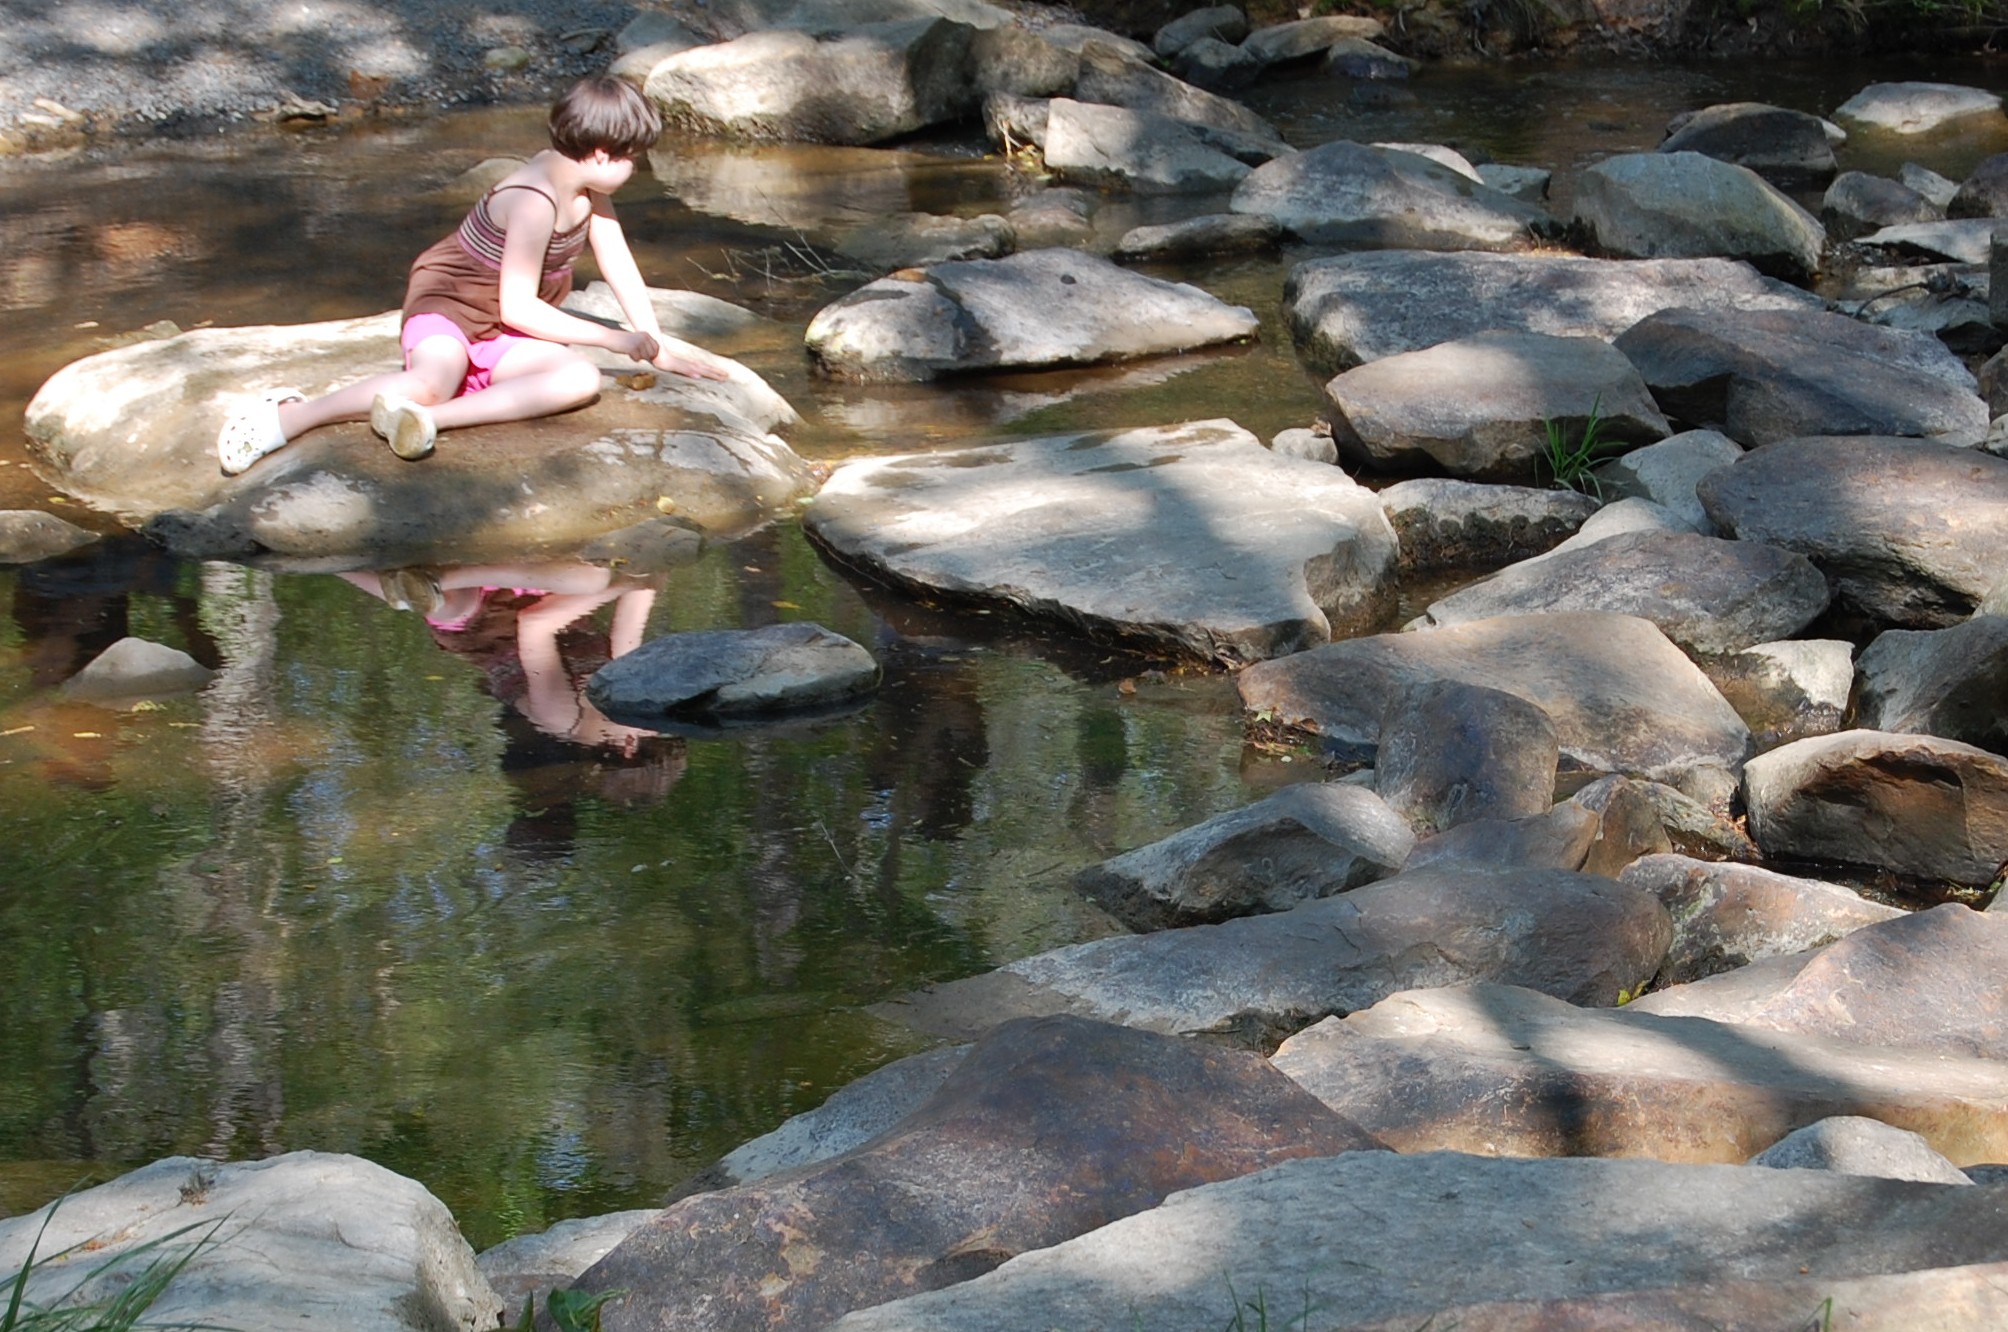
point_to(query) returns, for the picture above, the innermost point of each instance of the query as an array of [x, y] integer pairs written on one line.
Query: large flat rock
[[1503, 1071], [1909, 533], [1192, 538], [1707, 595], [1388, 1241], [133, 431], [1353, 308], [1035, 310], [1368, 197], [1252, 980], [1012, 1153], [1766, 375], [1623, 698]]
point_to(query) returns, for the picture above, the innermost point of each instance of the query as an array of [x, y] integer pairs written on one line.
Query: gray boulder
[[1358, 58], [1300, 39], [1915, 804], [1667, 472], [1355, 195], [1956, 240], [1006, 1157], [1452, 753], [530, 1267], [1493, 1069], [1514, 390], [1945, 301], [1036, 309], [1193, 538], [1009, 59], [873, 82], [1763, 376], [1115, 79], [1787, 148], [1447, 524], [715, 676], [1707, 595], [300, 1239], [1984, 192], [1306, 841], [1727, 915], [1928, 183], [1908, 532], [1854, 1145], [1623, 698], [133, 669], [1140, 151], [1559, 838], [1446, 1240], [1858, 203], [1226, 23], [1199, 237], [1257, 978], [1058, 217], [28, 535], [1787, 690], [132, 431], [1353, 308], [1305, 443], [1682, 205], [1951, 682], [1902, 983], [1916, 108], [1216, 66], [1522, 182]]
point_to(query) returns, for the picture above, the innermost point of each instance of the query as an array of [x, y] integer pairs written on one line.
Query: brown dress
[[460, 276]]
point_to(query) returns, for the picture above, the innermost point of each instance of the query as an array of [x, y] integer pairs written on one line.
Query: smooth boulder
[[1667, 472], [1006, 1157], [1515, 393], [1683, 205], [1623, 698], [1305, 842], [1507, 1070], [721, 675], [1917, 107], [1035, 310], [1762, 376], [1359, 196], [1451, 753], [1857, 203], [1353, 308], [1253, 980], [1788, 148], [1193, 538], [1915, 804], [1707, 595], [28, 535], [1909, 533], [1141, 151], [1950, 682], [133, 669], [1857, 1145]]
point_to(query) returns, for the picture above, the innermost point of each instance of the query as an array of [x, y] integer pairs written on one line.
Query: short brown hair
[[603, 112]]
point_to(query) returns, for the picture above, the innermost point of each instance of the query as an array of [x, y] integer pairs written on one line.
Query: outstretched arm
[[527, 225], [617, 266]]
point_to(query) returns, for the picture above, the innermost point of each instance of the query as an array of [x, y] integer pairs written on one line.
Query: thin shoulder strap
[[549, 198]]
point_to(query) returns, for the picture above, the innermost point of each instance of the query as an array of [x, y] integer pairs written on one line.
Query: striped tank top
[[459, 276], [482, 238]]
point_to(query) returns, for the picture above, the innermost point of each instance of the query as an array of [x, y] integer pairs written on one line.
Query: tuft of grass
[[1571, 464], [571, 1310], [158, 1261]]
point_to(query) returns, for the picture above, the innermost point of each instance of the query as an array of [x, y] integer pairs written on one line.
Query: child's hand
[[637, 346], [693, 364]]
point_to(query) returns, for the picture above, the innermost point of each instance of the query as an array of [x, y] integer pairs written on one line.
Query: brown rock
[[1050, 1128]]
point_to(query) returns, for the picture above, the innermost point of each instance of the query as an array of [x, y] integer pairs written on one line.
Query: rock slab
[[735, 673]]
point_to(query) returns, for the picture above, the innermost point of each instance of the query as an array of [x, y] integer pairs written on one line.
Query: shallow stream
[[391, 891]]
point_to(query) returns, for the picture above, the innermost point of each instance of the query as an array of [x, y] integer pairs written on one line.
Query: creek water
[[389, 889]]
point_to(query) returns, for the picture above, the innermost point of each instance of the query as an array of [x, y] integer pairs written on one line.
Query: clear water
[[395, 892]]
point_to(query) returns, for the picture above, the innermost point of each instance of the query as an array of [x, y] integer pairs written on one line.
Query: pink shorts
[[482, 356]]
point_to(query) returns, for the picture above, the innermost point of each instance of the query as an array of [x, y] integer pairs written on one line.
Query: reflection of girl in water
[[517, 623]]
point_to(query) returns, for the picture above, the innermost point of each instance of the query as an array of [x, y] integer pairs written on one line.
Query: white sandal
[[405, 425], [252, 430]]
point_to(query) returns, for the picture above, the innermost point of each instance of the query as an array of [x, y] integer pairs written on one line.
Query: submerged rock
[[721, 675], [1306, 841], [1495, 1069], [1917, 108], [1036, 309], [1353, 308], [28, 535], [1356, 195], [1395, 1243], [133, 431], [1194, 538], [1910, 533], [133, 669], [1623, 698], [1006, 1157]]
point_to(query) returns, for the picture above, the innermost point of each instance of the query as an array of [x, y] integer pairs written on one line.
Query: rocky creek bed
[[1533, 1013]]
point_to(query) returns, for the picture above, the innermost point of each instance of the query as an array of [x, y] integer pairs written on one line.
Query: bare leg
[[533, 379], [438, 365]]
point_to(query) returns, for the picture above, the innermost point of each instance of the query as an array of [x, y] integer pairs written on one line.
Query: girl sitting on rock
[[484, 339]]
